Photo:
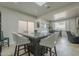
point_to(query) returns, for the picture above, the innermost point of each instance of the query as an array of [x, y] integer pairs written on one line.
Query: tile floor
[[64, 48]]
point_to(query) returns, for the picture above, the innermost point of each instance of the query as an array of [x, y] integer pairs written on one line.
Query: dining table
[[36, 48]]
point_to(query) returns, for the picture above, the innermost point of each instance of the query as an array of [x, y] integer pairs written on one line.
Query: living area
[[40, 28]]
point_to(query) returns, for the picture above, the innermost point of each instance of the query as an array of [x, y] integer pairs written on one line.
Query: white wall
[[10, 20]]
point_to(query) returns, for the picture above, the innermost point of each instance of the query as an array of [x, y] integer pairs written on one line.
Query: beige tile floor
[[64, 48]]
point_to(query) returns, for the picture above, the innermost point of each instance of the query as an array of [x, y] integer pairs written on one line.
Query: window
[[22, 26], [25, 27], [30, 27], [59, 25]]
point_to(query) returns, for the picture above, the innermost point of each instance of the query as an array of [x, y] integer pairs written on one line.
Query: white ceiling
[[33, 9], [70, 10]]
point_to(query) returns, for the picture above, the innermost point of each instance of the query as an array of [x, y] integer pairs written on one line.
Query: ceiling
[[46, 11], [71, 10], [33, 9]]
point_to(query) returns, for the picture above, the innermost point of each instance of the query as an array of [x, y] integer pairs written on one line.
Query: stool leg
[[15, 51], [50, 51], [28, 48], [0, 49], [55, 50], [25, 48], [2, 43], [18, 51], [8, 42]]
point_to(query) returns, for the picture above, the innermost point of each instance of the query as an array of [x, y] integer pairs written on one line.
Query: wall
[[10, 20]]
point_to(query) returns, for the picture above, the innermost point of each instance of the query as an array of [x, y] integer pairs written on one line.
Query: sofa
[[72, 38]]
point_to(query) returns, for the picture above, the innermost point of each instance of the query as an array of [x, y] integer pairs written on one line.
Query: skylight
[[40, 3]]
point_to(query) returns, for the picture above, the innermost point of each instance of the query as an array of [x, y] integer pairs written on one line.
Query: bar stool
[[50, 42], [4, 40], [20, 42]]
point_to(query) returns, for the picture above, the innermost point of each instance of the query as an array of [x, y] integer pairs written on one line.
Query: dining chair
[[20, 42], [50, 42]]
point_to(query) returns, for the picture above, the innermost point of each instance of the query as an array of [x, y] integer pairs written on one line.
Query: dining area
[[30, 37], [39, 29], [37, 44], [27, 29]]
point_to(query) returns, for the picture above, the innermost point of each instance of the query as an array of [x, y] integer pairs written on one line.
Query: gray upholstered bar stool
[[20, 42], [50, 42]]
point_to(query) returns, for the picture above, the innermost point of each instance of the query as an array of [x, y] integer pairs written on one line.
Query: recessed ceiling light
[[40, 3]]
